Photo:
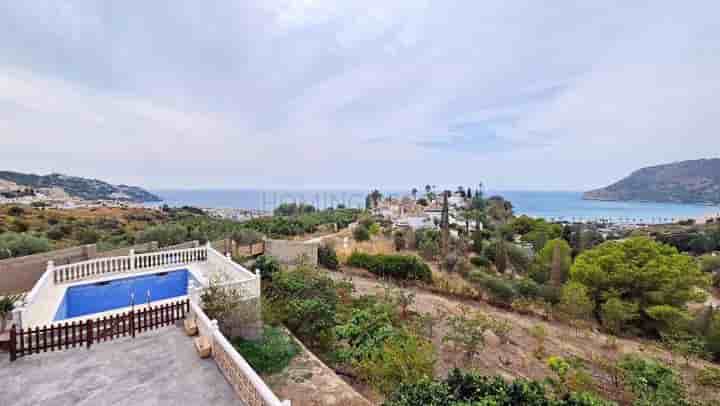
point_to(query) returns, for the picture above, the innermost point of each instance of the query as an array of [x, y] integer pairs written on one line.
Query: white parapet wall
[[40, 304], [248, 385]]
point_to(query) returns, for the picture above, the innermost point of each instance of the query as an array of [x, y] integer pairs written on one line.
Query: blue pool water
[[99, 297]]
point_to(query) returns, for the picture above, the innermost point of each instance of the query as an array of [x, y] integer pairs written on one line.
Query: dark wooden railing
[[87, 332]]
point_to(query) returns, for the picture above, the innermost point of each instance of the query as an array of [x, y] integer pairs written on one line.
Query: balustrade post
[[259, 281], [51, 270], [132, 259]]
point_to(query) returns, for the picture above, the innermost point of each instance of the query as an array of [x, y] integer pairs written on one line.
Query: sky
[[518, 95]]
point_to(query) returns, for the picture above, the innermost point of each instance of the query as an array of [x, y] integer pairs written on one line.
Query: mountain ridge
[[84, 188], [693, 181]]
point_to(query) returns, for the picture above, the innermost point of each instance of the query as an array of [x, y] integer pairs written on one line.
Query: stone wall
[[289, 252], [20, 274]]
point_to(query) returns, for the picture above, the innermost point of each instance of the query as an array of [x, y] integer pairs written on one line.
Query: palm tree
[[414, 192]]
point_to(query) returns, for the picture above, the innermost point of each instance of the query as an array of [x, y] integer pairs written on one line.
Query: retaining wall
[[290, 252]]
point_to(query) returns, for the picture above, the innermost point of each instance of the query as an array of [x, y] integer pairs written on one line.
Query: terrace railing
[[128, 263], [85, 333]]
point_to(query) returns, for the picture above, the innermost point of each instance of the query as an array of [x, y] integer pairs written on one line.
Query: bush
[[271, 354], [464, 389], [709, 376], [246, 237], [709, 263], [501, 291], [361, 233], [652, 382], [57, 232], [165, 235], [327, 257], [306, 301], [480, 261], [267, 265], [16, 211], [527, 288], [18, 245], [406, 267]]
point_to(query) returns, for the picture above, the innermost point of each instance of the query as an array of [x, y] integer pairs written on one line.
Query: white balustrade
[[129, 263]]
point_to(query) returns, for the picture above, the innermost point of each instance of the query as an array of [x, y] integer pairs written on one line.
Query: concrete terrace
[[155, 368]]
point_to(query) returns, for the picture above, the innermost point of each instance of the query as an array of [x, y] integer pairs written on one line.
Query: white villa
[[44, 305]]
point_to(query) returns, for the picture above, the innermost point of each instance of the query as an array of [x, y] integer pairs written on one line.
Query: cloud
[[310, 93]]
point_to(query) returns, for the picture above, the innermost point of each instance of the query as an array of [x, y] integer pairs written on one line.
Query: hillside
[[89, 189], [696, 181]]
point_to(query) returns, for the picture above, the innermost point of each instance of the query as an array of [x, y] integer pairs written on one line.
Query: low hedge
[[407, 267]]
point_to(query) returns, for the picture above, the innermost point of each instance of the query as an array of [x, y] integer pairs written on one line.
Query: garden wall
[[289, 252]]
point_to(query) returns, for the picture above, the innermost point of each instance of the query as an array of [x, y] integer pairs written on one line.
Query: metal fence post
[[89, 335], [13, 343]]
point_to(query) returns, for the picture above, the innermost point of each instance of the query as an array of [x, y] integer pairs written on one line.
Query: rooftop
[[155, 368]]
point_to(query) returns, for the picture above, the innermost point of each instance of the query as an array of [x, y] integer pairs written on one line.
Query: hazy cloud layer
[[561, 95]]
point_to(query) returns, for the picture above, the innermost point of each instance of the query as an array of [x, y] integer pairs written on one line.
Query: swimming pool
[[81, 300]]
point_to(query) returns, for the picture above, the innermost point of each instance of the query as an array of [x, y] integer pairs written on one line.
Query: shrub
[[268, 265], [327, 257], [18, 245], [501, 291], [246, 236], [652, 382], [361, 233], [527, 288], [709, 376], [306, 301], [480, 261], [429, 249], [167, 234], [403, 358], [16, 211], [87, 236], [57, 232], [465, 389], [407, 267], [271, 354], [710, 263]]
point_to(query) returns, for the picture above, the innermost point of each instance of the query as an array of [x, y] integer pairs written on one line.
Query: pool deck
[[155, 368], [47, 303]]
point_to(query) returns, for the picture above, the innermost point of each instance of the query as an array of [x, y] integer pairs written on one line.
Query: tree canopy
[[641, 271]]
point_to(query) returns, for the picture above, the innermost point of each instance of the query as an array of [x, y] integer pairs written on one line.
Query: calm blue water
[[95, 298], [551, 205]]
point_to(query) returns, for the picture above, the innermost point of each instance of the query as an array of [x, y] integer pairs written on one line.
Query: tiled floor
[[156, 368]]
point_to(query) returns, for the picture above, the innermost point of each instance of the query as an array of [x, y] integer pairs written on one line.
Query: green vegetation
[[472, 389], [361, 233], [654, 276], [271, 354], [404, 267], [367, 334], [327, 257], [293, 209], [268, 265], [652, 383], [17, 244]]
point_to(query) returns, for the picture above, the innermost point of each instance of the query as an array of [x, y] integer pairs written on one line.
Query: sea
[[552, 205]]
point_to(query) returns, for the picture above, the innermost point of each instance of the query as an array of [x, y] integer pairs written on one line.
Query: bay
[[553, 205]]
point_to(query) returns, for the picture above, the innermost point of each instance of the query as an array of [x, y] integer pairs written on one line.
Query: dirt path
[[517, 359]]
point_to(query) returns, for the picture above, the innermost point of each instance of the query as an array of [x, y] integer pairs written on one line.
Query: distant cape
[[88, 189], [696, 181]]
